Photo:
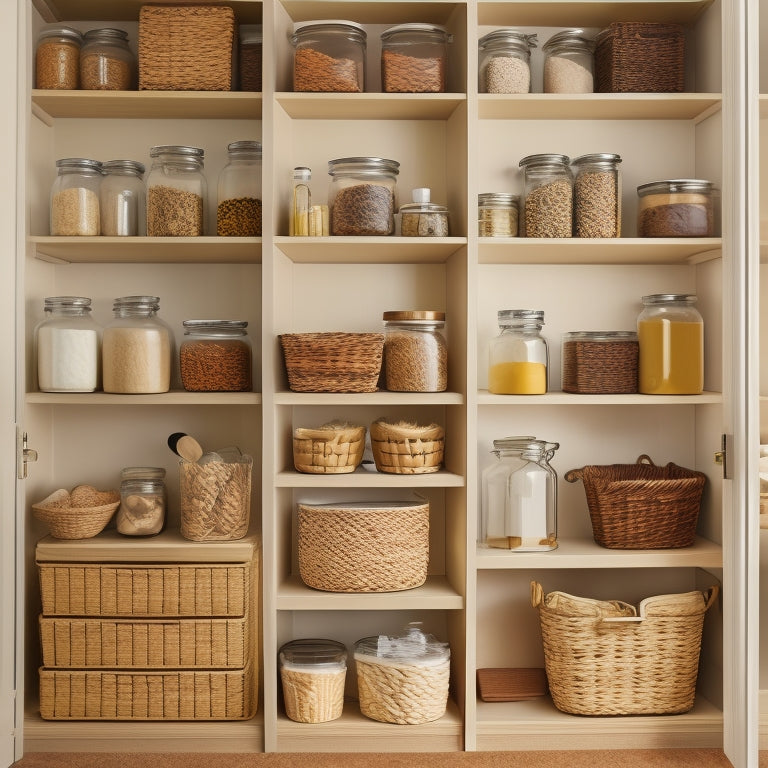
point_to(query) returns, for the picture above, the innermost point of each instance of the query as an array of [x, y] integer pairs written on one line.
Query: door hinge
[[24, 454], [721, 457]]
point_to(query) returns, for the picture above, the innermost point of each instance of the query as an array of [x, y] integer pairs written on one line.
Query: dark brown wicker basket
[[640, 57], [642, 506]]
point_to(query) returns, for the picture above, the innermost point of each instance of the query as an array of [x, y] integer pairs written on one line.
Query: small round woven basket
[[404, 448], [335, 448], [81, 514], [313, 696]]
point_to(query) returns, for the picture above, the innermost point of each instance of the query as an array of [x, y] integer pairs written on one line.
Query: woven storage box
[[186, 48], [640, 57], [607, 658], [332, 362], [81, 514], [363, 547], [642, 506], [407, 449], [330, 449]]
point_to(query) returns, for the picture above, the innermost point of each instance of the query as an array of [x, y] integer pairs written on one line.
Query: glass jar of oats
[[57, 58], [597, 195], [106, 61], [415, 352], [548, 200], [75, 197]]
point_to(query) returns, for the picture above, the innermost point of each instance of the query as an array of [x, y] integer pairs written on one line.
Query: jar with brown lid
[[215, 356], [600, 362], [57, 58], [106, 61], [415, 351]]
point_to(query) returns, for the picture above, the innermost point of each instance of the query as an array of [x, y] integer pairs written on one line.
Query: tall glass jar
[[75, 197], [143, 501], [548, 199], [68, 346], [106, 61], [362, 195], [176, 192], [215, 356], [137, 348], [670, 334], [518, 356], [238, 213], [122, 198], [329, 56], [519, 496], [57, 58], [504, 64], [415, 352], [414, 58], [597, 195], [250, 56], [497, 214], [569, 65]]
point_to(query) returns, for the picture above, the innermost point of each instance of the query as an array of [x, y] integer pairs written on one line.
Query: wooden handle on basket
[[644, 458], [573, 475]]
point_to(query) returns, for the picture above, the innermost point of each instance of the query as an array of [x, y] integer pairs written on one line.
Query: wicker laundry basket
[[402, 448], [334, 448]]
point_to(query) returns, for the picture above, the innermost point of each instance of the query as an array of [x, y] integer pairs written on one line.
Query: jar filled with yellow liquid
[[518, 356], [670, 334]]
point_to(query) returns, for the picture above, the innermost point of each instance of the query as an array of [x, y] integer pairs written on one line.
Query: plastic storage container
[[143, 501], [238, 212], [75, 198], [597, 195], [498, 214], [250, 56], [414, 58], [504, 64], [106, 61], [599, 362], [122, 198], [518, 356], [423, 218], [57, 58], [415, 352], [215, 356], [569, 64], [676, 208], [548, 201], [329, 56]]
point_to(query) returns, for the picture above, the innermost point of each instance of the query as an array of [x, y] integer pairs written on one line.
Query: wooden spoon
[[185, 446]]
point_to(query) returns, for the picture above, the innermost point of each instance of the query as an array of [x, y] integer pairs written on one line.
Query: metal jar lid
[[127, 167], [597, 158], [363, 166], [306, 28], [106, 35], [600, 336], [60, 30], [666, 298], [176, 149], [215, 327], [529, 315], [78, 164], [505, 199], [676, 185], [434, 29], [244, 146], [506, 37], [574, 39], [544, 159], [312, 652]]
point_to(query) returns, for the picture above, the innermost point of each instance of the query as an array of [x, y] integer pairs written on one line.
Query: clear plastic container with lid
[[122, 198], [518, 356], [57, 58], [599, 362], [143, 501], [106, 61], [423, 218], [504, 64], [569, 65], [362, 195], [414, 58], [215, 356], [75, 197], [548, 199], [415, 352], [238, 212], [597, 195], [250, 56], [329, 56], [497, 214], [176, 192], [676, 208]]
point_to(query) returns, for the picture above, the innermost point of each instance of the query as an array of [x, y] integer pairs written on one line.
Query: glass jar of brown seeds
[[597, 196], [548, 200], [215, 356], [329, 56], [106, 61], [415, 351], [57, 58], [238, 212]]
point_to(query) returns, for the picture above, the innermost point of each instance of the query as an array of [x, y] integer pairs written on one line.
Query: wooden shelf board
[[399, 12], [164, 398], [564, 398], [370, 250], [370, 106], [372, 398], [363, 478]]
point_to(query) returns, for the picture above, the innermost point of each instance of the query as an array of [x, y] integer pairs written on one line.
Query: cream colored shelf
[[370, 250], [246, 11], [370, 106], [373, 398], [564, 398], [363, 478], [164, 398]]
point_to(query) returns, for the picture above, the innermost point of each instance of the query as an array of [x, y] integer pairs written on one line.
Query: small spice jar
[[597, 195], [548, 199], [215, 356], [415, 352], [250, 56], [176, 192], [143, 501], [497, 214], [361, 197], [518, 356], [422, 218], [569, 65], [106, 61], [122, 198], [676, 208], [68, 346], [414, 58], [57, 58], [599, 362], [75, 197], [504, 64], [329, 56], [238, 213]]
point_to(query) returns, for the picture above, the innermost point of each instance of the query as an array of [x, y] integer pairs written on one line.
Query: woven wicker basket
[[334, 448], [642, 506], [186, 48], [403, 448], [81, 514], [606, 658], [313, 696], [363, 547]]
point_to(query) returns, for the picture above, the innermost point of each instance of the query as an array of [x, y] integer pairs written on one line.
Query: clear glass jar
[[301, 202], [597, 195], [68, 346], [75, 198], [415, 352], [414, 58], [250, 56], [57, 58], [137, 348], [519, 496], [569, 64], [518, 356], [599, 362], [670, 333], [215, 356], [176, 192], [238, 213], [362, 195], [143, 501], [122, 198], [329, 56], [676, 208], [504, 62], [548, 199], [106, 61], [497, 214], [423, 218]]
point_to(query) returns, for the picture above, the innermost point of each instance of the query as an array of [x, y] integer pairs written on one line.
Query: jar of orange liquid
[[670, 334], [518, 357]]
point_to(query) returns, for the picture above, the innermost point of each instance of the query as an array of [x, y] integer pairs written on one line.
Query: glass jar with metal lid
[[415, 352], [75, 197], [504, 64], [143, 501], [599, 362], [597, 195], [106, 61], [329, 56], [423, 218], [548, 199], [215, 356], [238, 212], [176, 192], [414, 58], [497, 214], [569, 62], [518, 356], [250, 56], [676, 208], [122, 198], [362, 195], [57, 58]]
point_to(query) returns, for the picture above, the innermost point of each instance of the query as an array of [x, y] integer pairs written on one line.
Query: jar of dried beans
[[215, 356], [57, 58], [415, 352], [497, 214], [362, 195], [329, 56], [548, 201], [676, 208], [505, 61], [597, 196], [75, 197], [569, 62], [238, 213], [413, 58], [106, 61], [121, 198]]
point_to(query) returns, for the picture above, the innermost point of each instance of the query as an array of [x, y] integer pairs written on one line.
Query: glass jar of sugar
[[505, 61], [121, 198], [75, 198], [569, 62]]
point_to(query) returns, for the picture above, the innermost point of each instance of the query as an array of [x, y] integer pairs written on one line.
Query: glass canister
[[670, 333], [75, 197], [68, 346], [415, 352], [329, 56], [518, 356], [599, 362], [519, 496], [414, 58], [143, 501], [362, 195], [504, 64], [313, 673], [215, 356], [121, 198], [548, 199], [676, 208], [137, 348], [497, 214], [176, 192], [238, 213], [569, 65], [597, 195], [57, 58], [250, 56], [106, 61], [423, 218]]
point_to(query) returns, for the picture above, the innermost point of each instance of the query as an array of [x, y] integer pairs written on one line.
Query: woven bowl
[[402, 448], [81, 514], [333, 448]]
